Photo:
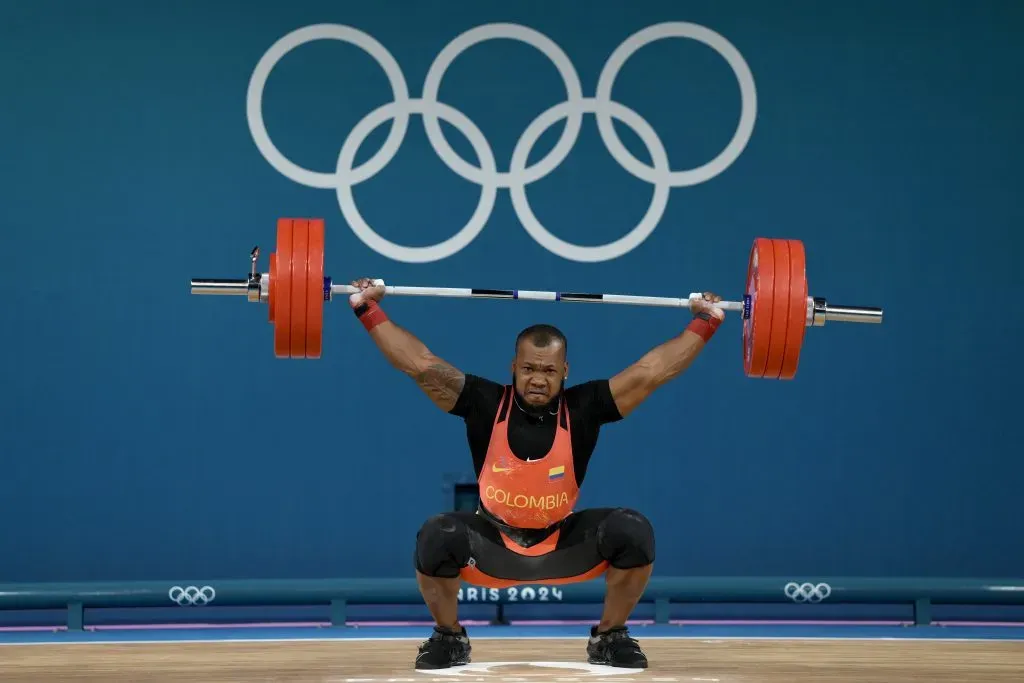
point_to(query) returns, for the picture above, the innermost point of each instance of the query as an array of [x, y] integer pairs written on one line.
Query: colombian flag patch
[[556, 472]]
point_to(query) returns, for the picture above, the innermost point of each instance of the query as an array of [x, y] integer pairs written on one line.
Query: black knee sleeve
[[626, 539], [442, 547]]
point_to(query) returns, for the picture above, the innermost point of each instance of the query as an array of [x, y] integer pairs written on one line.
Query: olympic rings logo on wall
[[487, 176], [192, 595], [807, 592]]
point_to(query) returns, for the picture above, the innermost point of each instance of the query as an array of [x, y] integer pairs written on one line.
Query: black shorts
[[468, 545]]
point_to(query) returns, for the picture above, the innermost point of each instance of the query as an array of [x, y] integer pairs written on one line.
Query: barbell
[[775, 308]]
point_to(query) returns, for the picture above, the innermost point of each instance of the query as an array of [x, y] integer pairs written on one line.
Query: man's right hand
[[369, 290], [439, 380]]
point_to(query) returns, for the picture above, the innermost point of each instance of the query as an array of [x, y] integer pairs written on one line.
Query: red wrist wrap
[[370, 314], [704, 328]]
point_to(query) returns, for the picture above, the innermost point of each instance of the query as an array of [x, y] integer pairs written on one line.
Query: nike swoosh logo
[[495, 468]]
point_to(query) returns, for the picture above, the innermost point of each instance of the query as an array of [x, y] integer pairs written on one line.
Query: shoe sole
[[445, 666], [642, 665]]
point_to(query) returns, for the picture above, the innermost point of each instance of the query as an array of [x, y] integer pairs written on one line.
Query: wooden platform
[[673, 660]]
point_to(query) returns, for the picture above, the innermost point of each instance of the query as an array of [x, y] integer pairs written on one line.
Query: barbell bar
[[775, 308]]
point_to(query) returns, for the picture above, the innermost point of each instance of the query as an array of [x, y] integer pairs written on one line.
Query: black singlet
[[590, 406]]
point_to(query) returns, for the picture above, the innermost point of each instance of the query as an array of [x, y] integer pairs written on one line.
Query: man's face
[[539, 371]]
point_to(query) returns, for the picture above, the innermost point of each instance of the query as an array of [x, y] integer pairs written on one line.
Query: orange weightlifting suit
[[529, 494], [530, 466]]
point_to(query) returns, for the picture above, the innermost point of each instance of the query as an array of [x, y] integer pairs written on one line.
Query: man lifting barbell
[[531, 442]]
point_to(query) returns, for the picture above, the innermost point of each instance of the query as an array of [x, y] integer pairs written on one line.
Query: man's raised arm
[[439, 380], [665, 362]]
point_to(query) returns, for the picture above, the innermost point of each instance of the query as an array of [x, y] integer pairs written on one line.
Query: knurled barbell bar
[[776, 308]]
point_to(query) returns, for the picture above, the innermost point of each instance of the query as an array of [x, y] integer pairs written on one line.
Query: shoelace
[[449, 640], [619, 638]]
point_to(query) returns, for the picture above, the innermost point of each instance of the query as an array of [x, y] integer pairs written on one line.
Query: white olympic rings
[[807, 592], [487, 175], [192, 595]]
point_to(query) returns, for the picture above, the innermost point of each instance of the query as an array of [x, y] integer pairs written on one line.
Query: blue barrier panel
[[338, 593]]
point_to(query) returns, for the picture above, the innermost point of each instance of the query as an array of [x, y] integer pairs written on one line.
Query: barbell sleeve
[[219, 287], [822, 311]]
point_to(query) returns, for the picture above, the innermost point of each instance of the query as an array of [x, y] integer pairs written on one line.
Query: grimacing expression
[[539, 371]]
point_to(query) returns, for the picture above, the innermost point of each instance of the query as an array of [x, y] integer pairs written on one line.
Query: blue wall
[[148, 433]]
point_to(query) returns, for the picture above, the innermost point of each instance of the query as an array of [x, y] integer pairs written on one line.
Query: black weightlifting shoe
[[445, 648], [615, 647]]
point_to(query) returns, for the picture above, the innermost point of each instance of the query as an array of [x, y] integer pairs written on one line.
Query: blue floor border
[[414, 633]]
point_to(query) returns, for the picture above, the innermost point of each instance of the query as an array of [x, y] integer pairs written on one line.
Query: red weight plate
[[283, 290], [315, 290], [757, 323], [797, 325], [780, 310], [300, 285], [271, 296]]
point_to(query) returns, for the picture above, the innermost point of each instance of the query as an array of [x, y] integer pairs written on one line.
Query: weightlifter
[[531, 442]]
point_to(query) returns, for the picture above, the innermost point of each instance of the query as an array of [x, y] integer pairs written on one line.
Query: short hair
[[543, 335]]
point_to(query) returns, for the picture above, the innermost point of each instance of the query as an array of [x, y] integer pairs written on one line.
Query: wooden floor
[[525, 661]]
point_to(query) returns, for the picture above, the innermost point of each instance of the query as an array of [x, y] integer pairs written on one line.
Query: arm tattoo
[[442, 383]]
